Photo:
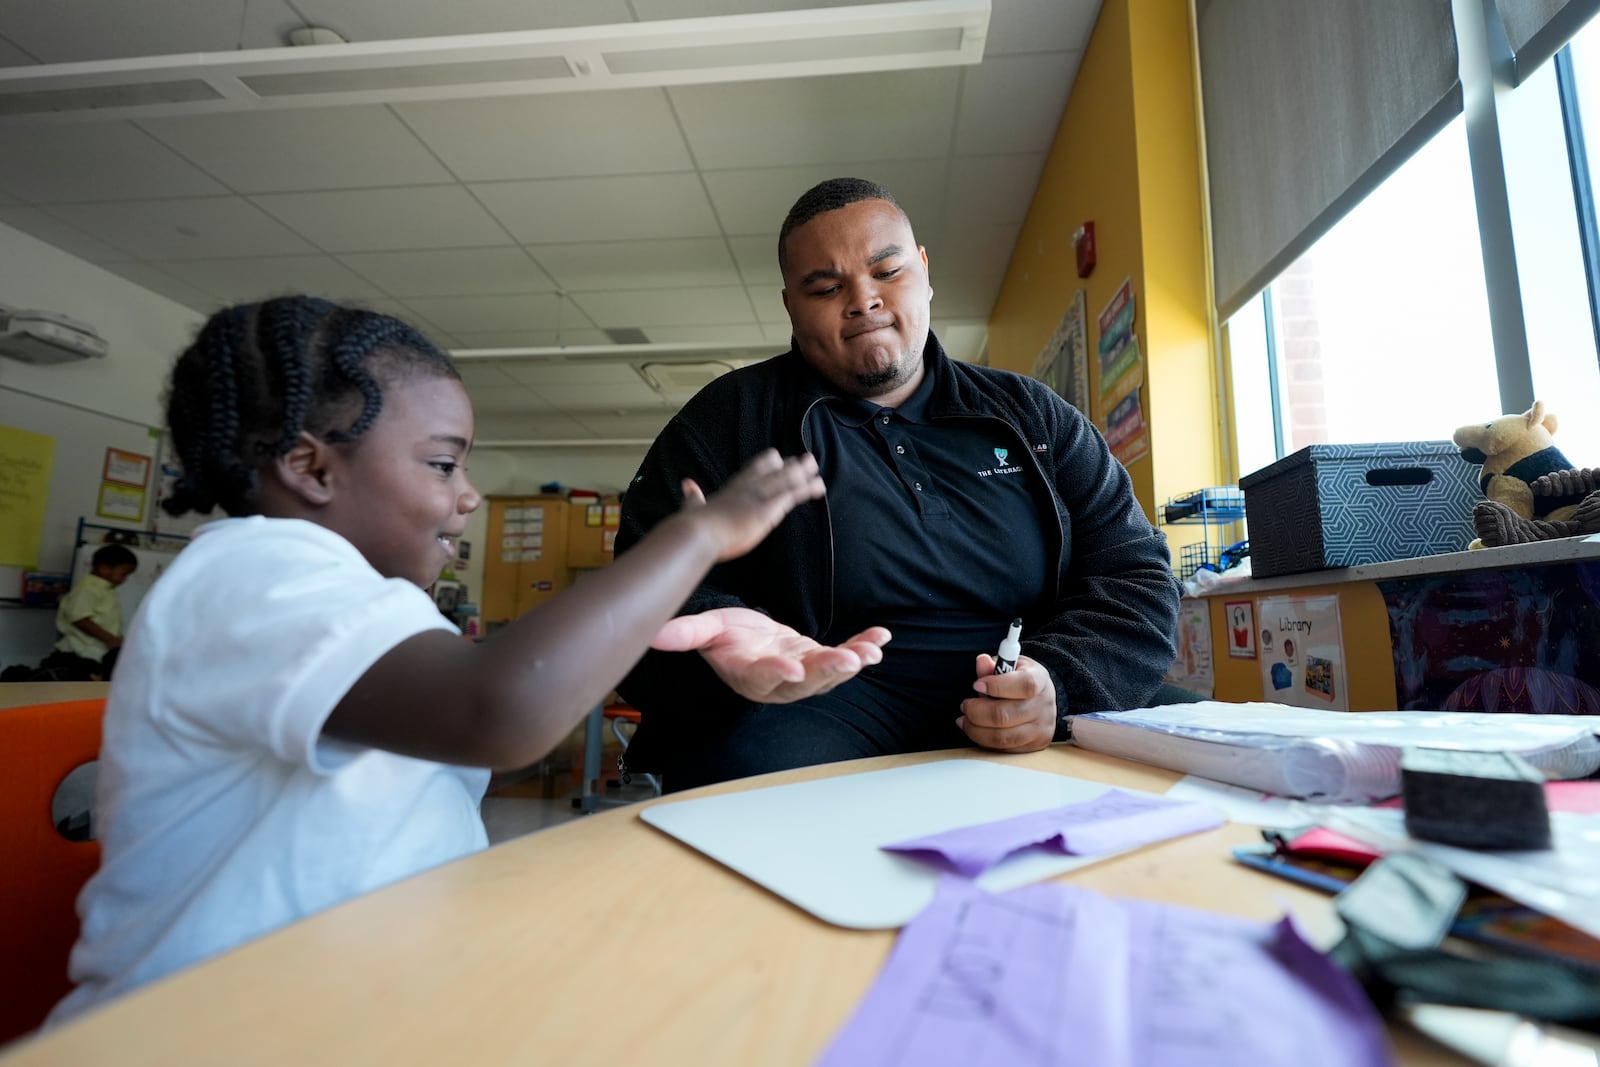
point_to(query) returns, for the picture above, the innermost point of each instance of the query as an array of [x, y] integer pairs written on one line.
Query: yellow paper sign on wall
[[25, 460]]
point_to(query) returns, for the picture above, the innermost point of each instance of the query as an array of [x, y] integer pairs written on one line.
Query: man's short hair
[[115, 556], [830, 195]]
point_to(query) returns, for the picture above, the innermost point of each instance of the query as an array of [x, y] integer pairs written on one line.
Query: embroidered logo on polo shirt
[[1000, 456]]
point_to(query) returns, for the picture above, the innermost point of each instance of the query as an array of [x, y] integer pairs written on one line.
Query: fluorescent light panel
[[784, 44]]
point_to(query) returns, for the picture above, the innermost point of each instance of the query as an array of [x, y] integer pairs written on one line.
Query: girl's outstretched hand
[[754, 501]]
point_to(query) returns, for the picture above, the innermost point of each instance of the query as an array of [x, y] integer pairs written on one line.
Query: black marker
[[1005, 660]]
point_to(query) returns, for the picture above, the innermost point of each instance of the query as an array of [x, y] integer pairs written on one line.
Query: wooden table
[[20, 694], [600, 942]]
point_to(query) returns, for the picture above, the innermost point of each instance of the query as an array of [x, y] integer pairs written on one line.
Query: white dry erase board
[[816, 844]]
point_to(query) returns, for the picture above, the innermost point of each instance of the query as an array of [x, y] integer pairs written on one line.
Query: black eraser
[[1489, 800]]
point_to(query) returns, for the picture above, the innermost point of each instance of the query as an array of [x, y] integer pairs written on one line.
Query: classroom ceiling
[[583, 221]]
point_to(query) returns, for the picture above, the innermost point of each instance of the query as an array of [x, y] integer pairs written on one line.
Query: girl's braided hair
[[258, 375]]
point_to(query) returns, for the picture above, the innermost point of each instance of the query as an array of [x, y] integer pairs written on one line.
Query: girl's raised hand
[[754, 501]]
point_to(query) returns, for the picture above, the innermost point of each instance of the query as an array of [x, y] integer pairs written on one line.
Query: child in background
[[293, 722], [89, 619]]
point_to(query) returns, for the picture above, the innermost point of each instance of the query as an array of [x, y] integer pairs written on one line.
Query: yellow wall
[[1363, 623], [1126, 156]]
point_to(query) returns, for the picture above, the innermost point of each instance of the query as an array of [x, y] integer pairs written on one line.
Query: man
[[959, 498]]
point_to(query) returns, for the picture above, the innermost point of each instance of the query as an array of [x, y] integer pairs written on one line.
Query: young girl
[[293, 722]]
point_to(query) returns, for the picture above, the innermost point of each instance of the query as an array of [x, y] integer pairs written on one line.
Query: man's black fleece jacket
[[1105, 632]]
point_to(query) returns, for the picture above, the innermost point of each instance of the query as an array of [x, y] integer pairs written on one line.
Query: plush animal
[[1515, 450], [1499, 525]]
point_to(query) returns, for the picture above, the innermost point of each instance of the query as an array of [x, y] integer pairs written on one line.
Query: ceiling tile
[[59, 164], [302, 148], [552, 135], [362, 20], [638, 264], [543, 374], [53, 231], [69, 31], [752, 202], [625, 397], [771, 312], [779, 333], [506, 398], [711, 335], [967, 267], [240, 280], [12, 56], [641, 424], [1014, 104], [202, 228], [484, 375], [530, 338], [523, 426], [757, 260], [451, 272], [988, 190], [571, 210], [164, 284], [373, 220], [1039, 26], [847, 118], [684, 9], [539, 311], [644, 308]]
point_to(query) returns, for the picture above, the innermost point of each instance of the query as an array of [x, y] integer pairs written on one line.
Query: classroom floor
[[544, 798]]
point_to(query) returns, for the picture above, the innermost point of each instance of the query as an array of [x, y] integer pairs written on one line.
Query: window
[[1381, 331]]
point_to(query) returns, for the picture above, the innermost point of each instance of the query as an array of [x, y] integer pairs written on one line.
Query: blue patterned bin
[[1345, 505]]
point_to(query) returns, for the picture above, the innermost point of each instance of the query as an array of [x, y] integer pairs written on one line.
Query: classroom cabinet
[[537, 545], [526, 561]]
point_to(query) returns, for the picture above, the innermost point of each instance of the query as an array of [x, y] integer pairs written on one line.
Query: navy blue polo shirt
[[937, 524]]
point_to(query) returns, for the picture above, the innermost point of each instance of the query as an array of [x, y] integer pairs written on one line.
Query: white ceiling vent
[[780, 44], [680, 381]]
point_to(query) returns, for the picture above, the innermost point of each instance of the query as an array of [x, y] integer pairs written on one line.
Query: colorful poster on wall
[[126, 468], [1121, 368], [1063, 362], [1302, 653], [1126, 432], [25, 461], [1075, 386], [1191, 669], [1241, 619], [120, 502]]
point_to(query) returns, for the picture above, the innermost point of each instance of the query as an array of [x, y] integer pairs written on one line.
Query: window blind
[[1308, 106], [1536, 29]]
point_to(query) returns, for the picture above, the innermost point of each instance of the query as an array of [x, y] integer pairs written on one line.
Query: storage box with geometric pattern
[[1344, 505]]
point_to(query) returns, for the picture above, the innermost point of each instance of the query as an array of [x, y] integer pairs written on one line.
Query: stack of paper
[[1329, 756]]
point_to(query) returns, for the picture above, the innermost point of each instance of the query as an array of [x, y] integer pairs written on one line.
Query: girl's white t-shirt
[[221, 812]]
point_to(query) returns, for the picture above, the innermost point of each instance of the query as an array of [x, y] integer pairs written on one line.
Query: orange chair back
[[41, 872]]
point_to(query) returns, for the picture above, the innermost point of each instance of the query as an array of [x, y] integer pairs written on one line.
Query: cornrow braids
[[257, 376], [830, 195]]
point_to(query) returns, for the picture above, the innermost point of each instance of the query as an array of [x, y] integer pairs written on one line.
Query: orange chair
[[617, 714], [42, 871]]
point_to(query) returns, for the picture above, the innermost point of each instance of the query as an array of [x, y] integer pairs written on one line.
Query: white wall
[[145, 333]]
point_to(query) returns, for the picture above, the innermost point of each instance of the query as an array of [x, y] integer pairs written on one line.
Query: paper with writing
[[1053, 974], [1113, 820]]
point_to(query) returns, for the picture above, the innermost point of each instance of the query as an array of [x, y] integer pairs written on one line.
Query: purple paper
[[1052, 974], [1113, 820]]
